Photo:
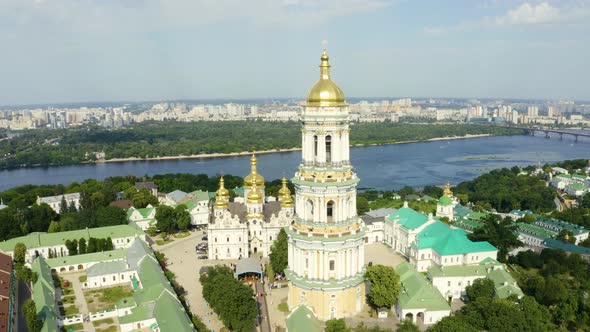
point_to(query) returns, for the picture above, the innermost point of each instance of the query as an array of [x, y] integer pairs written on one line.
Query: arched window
[[328, 149], [330, 211], [309, 210], [315, 146]]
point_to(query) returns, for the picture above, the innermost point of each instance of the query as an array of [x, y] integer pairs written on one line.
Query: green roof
[[447, 241], [86, 258], [200, 195], [170, 314], [408, 218], [457, 271], [444, 200], [577, 186], [558, 225], [427, 198], [556, 244], [302, 319], [44, 295], [504, 284], [468, 224], [535, 230], [38, 239], [417, 292], [461, 211]]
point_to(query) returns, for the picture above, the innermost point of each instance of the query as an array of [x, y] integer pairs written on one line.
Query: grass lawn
[[162, 242], [180, 235], [76, 327], [283, 307], [83, 278], [71, 310], [106, 321], [68, 299], [100, 299], [111, 328], [67, 291]]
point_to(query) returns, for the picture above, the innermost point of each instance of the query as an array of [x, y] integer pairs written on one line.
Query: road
[[22, 294], [262, 307]]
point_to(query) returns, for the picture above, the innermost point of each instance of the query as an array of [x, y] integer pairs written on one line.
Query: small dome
[[254, 196], [253, 177], [222, 192], [444, 200], [325, 92]]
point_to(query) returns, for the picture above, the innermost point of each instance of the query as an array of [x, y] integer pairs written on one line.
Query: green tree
[[385, 285], [165, 219], [454, 324], [481, 288], [143, 197], [92, 245], [54, 227], [183, 217], [110, 216], [34, 323], [63, 207], [566, 236], [336, 325], [407, 326], [20, 252], [499, 232], [362, 205], [82, 246], [279, 255]]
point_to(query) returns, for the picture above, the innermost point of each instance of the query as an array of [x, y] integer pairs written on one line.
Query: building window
[[329, 149], [449, 283], [306, 263], [330, 211], [270, 237], [215, 239], [240, 239], [332, 265], [228, 240], [104, 279], [114, 278], [315, 146]]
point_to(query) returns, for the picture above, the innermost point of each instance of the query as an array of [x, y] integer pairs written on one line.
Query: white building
[[55, 202], [143, 218], [238, 229]]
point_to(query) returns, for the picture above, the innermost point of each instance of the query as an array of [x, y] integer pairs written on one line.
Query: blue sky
[[109, 50]]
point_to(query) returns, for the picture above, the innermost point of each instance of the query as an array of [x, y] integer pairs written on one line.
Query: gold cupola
[[285, 195], [325, 92], [447, 191], [254, 195], [253, 177], [222, 192]]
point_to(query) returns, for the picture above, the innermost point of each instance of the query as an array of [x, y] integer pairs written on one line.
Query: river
[[381, 167]]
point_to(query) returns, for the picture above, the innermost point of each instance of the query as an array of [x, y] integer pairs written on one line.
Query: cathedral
[[247, 226], [326, 239]]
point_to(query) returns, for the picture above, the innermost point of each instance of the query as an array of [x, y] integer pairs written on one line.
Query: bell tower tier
[[326, 240]]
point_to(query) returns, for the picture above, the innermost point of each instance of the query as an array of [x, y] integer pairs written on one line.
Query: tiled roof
[[535, 230]]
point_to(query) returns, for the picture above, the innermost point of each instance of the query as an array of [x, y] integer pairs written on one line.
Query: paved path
[[80, 299], [22, 294], [262, 307]]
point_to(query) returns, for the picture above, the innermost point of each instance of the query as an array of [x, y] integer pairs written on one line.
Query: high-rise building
[[326, 240], [533, 111]]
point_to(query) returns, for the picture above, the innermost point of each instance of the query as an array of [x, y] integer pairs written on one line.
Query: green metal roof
[[170, 314], [302, 319], [86, 258], [461, 211], [408, 218], [38, 239], [417, 292], [577, 186], [457, 271], [44, 295], [446, 241], [444, 200], [468, 224], [556, 244], [504, 284], [535, 230]]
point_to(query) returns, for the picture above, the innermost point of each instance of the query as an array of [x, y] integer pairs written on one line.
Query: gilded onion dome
[[447, 191], [285, 195], [254, 195], [253, 177], [325, 92], [222, 192], [220, 203]]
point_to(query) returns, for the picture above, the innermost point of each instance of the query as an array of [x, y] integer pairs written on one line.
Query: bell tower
[[326, 240]]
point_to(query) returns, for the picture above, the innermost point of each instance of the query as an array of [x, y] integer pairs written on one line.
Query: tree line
[[43, 147]]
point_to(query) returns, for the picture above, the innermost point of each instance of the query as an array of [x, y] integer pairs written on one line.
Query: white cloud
[[526, 14]]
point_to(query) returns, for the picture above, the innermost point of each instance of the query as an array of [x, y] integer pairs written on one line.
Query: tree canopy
[[279, 255], [385, 285]]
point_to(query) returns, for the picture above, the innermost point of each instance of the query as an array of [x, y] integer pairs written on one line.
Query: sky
[[57, 51]]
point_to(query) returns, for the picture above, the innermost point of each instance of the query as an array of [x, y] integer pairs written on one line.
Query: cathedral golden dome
[[253, 177], [254, 195], [222, 192], [325, 92], [285, 195], [220, 203]]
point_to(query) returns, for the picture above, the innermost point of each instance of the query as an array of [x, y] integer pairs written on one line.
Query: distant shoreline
[[245, 153]]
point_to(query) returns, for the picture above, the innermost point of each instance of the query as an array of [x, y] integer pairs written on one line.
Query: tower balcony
[[352, 227]]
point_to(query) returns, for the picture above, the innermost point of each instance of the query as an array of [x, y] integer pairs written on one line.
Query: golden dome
[[447, 191], [222, 192], [253, 177], [254, 195], [220, 203], [285, 195], [325, 92]]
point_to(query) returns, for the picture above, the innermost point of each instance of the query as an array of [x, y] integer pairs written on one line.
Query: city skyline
[[91, 51]]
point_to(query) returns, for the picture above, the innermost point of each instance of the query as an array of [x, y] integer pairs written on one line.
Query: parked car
[[204, 238], [202, 257]]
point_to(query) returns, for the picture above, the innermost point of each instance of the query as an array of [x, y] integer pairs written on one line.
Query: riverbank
[[243, 153]]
